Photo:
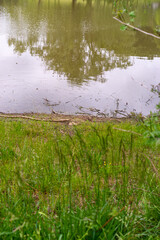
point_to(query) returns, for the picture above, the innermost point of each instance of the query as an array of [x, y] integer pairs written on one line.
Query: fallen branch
[[135, 28], [34, 119]]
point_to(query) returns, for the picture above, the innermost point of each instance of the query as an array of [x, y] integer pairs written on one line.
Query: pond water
[[71, 57]]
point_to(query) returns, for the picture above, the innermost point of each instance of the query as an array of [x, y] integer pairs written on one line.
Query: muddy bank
[[61, 118]]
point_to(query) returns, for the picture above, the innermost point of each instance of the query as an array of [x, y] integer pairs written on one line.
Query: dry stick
[[30, 185], [135, 28], [123, 130], [110, 219], [130, 202], [31, 118]]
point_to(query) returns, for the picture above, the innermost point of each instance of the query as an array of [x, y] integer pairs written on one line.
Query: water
[[72, 58]]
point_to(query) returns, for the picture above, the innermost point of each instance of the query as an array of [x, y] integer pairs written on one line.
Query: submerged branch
[[135, 28]]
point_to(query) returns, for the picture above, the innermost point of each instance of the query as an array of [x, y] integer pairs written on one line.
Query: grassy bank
[[94, 180]]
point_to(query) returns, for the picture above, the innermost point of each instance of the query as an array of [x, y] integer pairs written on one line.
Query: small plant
[[152, 124], [152, 129], [157, 30]]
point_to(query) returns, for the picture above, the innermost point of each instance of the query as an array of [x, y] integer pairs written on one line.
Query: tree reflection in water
[[78, 39]]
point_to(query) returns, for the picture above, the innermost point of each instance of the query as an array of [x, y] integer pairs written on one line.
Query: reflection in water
[[75, 42], [78, 41]]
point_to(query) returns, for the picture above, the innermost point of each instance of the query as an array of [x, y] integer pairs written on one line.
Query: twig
[[122, 113], [135, 28], [35, 119], [123, 130], [110, 219], [30, 186]]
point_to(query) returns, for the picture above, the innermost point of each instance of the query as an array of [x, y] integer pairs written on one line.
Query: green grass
[[67, 182]]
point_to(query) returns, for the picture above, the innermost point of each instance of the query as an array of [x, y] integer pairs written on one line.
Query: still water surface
[[73, 58]]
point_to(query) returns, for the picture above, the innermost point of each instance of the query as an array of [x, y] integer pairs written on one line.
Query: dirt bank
[[67, 119]]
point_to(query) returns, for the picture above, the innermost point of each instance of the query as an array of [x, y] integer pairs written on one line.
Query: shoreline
[[70, 118]]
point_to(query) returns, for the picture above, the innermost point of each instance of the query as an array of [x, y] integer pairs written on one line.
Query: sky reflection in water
[[56, 58]]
